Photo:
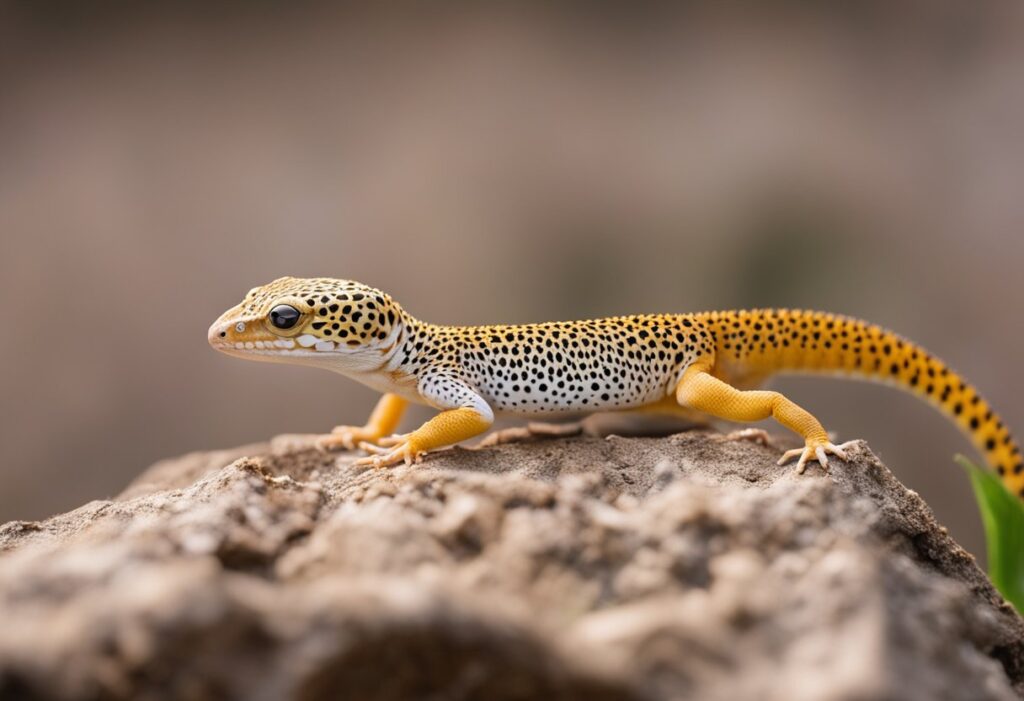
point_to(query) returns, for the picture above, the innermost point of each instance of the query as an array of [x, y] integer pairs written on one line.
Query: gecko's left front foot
[[815, 450], [391, 451], [347, 437]]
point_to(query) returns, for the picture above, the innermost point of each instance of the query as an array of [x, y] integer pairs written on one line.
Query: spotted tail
[[765, 342]]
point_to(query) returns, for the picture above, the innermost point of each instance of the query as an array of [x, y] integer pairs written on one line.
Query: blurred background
[[486, 164]]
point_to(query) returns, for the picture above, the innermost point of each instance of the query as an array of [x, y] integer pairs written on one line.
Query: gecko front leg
[[382, 422], [464, 414]]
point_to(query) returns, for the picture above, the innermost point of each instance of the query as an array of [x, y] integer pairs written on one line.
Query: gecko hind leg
[[700, 390]]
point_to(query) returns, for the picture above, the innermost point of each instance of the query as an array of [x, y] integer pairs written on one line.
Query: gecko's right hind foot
[[815, 450]]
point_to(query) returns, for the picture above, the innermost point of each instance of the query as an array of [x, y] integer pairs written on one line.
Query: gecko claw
[[814, 450]]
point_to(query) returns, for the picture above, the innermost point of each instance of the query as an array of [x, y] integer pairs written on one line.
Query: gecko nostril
[[223, 334]]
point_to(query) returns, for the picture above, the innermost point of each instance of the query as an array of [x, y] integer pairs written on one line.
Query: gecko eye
[[283, 316]]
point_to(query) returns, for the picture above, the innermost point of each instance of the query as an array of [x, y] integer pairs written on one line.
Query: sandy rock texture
[[548, 567]]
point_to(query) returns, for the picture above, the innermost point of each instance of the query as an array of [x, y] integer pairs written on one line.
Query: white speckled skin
[[568, 367]]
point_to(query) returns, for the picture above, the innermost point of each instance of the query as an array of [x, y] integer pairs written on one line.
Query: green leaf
[[1002, 514]]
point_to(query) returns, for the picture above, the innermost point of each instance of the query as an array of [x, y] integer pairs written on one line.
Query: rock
[[557, 567]]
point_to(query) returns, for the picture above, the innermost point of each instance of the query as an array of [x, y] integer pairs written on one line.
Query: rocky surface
[[556, 567]]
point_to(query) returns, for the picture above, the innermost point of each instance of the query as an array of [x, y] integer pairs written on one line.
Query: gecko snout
[[225, 332], [217, 333]]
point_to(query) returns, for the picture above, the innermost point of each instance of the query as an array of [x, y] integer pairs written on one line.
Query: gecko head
[[314, 321]]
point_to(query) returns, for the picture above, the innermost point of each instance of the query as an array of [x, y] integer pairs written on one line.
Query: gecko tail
[[788, 341]]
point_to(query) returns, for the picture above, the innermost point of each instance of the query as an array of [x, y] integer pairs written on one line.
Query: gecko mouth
[[275, 346], [302, 345]]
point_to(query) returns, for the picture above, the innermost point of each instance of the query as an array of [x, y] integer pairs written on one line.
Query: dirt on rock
[[548, 567]]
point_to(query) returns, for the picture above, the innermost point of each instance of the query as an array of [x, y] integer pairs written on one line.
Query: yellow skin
[[707, 363]]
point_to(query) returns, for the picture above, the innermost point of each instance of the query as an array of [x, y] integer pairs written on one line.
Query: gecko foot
[[754, 435], [532, 431], [391, 451], [347, 437], [815, 450]]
